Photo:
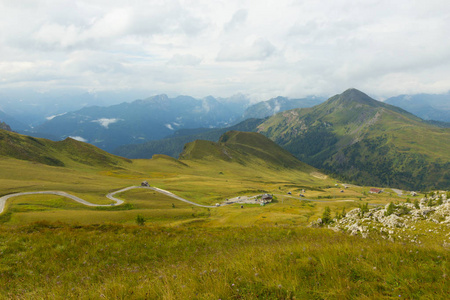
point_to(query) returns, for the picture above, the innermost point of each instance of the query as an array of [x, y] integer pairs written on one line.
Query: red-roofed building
[[375, 191]]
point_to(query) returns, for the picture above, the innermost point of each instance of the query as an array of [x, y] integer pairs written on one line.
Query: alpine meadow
[[218, 150], [228, 243]]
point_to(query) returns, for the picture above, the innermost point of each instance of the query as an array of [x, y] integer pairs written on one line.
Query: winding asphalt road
[[119, 202], [109, 196]]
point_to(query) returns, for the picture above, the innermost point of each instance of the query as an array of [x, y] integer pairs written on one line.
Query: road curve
[[167, 193], [84, 202]]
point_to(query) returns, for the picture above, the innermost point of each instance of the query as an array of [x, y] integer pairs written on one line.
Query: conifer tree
[[326, 216]]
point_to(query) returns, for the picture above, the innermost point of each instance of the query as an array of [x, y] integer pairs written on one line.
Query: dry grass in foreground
[[60, 261]]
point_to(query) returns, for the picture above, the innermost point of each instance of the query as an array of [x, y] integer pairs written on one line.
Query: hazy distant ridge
[[142, 120]]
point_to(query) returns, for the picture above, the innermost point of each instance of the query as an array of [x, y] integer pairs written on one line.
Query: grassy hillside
[[365, 141], [58, 261], [245, 148], [90, 173], [67, 152]]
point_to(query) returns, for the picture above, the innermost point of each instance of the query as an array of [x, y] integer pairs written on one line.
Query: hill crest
[[243, 148], [62, 153]]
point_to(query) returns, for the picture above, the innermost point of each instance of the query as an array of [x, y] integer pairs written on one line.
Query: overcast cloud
[[260, 48]]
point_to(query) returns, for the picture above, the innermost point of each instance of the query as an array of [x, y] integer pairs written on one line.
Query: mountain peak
[[353, 95]]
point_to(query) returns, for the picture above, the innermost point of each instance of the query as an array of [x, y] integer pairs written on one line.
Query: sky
[[259, 48]]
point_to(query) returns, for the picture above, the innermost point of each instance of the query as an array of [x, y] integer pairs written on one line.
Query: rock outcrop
[[402, 221]]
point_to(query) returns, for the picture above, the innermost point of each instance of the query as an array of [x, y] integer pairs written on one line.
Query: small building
[[266, 198], [145, 183], [375, 191]]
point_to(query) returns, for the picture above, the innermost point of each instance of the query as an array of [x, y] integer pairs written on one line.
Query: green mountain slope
[[245, 148], [63, 153], [365, 141]]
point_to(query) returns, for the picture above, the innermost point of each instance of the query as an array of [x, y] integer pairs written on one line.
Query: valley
[[77, 223], [224, 150]]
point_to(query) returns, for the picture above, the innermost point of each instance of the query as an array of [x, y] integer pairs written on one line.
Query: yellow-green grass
[[57, 261], [198, 181], [67, 250]]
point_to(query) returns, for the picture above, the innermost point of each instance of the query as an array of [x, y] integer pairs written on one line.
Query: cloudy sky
[[203, 47]]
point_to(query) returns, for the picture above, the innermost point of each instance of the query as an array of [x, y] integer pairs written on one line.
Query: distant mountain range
[[143, 120], [158, 117], [426, 106]]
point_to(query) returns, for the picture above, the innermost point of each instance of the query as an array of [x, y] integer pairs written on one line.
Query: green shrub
[[403, 210], [140, 220], [390, 209], [364, 208]]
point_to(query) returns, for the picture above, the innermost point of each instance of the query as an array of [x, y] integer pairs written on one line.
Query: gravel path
[[109, 196]]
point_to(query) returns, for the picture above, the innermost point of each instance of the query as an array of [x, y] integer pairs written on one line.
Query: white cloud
[[282, 47], [54, 116], [277, 107], [105, 122], [260, 49], [79, 138], [237, 20], [184, 60], [169, 126]]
